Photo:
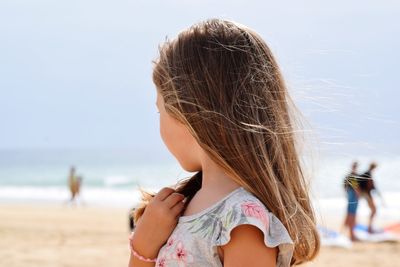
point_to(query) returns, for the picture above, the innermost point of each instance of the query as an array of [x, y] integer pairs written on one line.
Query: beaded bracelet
[[137, 255]]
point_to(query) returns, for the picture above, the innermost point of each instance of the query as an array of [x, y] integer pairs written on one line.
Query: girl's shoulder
[[230, 205], [212, 227], [243, 208], [243, 199]]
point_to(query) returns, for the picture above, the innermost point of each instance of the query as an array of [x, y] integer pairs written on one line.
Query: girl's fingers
[[164, 193], [178, 208], [173, 199]]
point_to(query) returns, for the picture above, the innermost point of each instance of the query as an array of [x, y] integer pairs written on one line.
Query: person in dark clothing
[[367, 185], [131, 220], [351, 187]]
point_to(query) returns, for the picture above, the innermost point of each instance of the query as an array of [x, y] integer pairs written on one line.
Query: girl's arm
[[247, 248], [145, 251], [135, 262], [155, 226]]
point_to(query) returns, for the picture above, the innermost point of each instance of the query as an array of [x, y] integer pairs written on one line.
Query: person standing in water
[[74, 184], [352, 189]]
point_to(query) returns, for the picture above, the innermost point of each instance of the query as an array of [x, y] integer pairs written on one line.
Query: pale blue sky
[[77, 74]]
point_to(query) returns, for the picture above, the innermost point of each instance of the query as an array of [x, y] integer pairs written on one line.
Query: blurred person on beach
[[225, 114], [74, 185], [352, 190], [131, 219], [367, 185], [78, 186]]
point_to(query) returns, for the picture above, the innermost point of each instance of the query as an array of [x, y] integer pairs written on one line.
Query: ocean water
[[113, 177], [110, 177]]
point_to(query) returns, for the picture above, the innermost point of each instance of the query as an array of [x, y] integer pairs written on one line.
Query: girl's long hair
[[219, 79]]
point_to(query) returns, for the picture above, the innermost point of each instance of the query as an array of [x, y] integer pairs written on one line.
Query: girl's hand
[[157, 222]]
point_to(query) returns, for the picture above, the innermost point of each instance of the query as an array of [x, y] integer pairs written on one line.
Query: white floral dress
[[196, 238]]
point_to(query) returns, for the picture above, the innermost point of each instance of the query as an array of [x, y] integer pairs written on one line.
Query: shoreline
[[329, 211]]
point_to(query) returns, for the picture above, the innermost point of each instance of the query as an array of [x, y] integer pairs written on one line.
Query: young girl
[[224, 114]]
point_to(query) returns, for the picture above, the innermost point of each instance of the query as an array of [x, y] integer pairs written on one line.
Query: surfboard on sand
[[379, 235], [333, 238]]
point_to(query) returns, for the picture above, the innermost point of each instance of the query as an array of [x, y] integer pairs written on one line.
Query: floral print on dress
[[195, 240], [170, 241], [253, 209], [161, 262], [181, 255], [207, 226]]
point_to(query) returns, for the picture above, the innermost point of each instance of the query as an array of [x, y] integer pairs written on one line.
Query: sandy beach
[[62, 236], [56, 235]]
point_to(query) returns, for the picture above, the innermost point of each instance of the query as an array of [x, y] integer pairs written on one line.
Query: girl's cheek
[[179, 142], [163, 130], [168, 133]]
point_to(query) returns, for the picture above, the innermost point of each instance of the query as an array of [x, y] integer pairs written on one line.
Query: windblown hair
[[220, 80]]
